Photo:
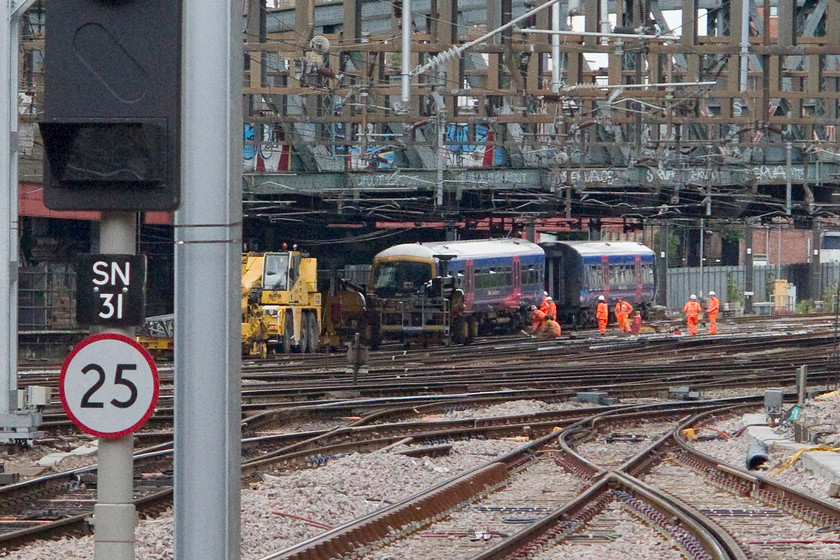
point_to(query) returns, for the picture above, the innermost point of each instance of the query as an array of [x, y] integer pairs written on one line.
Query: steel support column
[[208, 237]]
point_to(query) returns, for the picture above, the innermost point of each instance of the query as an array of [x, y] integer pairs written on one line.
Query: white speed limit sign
[[109, 385]]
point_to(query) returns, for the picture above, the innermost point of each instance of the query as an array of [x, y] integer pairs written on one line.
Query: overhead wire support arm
[[458, 49]]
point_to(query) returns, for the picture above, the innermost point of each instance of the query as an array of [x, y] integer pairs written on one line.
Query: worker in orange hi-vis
[[537, 320], [602, 313], [551, 313], [692, 314], [551, 329], [712, 311], [544, 305], [623, 310]]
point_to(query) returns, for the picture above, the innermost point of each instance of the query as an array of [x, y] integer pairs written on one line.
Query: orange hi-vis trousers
[[692, 322], [713, 323]]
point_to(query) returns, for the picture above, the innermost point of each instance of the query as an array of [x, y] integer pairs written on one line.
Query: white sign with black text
[[109, 385]]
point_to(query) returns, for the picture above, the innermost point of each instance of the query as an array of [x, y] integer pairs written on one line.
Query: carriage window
[[597, 273], [401, 276], [530, 276]]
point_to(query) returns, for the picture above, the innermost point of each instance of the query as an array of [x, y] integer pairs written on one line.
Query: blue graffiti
[[249, 150], [460, 133]]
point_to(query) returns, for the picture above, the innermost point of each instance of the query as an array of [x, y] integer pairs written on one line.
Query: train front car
[[450, 291], [580, 271]]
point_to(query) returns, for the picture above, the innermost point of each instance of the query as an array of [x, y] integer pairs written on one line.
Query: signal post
[[112, 131]]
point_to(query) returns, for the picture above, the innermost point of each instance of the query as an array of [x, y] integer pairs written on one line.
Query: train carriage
[[577, 272], [454, 289]]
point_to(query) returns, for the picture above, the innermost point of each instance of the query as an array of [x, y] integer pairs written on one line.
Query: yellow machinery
[[281, 305], [281, 309]]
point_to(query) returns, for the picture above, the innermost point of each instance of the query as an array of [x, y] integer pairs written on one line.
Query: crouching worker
[[551, 329]]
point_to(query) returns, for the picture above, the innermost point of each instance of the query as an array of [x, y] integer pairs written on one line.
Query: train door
[[554, 277], [638, 277], [469, 285], [605, 275], [517, 278]]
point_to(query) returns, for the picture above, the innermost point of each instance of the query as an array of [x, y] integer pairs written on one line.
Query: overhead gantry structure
[[639, 107]]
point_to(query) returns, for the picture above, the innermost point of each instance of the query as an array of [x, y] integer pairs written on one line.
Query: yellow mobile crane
[[281, 305], [282, 309]]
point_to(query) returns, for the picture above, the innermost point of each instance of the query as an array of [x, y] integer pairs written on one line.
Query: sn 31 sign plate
[[111, 290], [109, 385]]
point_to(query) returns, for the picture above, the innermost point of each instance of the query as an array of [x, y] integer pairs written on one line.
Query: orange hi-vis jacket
[[602, 311], [714, 305], [552, 311], [692, 308], [623, 308]]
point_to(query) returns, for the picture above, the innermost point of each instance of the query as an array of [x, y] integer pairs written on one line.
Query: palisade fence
[[729, 282], [47, 297]]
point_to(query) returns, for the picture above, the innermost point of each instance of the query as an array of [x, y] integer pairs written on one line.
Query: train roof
[[589, 248], [462, 249]]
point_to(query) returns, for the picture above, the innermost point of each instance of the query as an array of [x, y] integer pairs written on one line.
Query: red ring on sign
[[156, 384]]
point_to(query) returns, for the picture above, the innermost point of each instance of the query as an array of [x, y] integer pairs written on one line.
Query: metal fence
[[730, 281], [47, 297]]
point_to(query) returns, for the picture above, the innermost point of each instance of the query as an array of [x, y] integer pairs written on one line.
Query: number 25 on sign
[[109, 385]]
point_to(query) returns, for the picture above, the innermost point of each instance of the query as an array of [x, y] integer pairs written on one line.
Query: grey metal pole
[[802, 384], [702, 251], [208, 253], [114, 514], [661, 243], [9, 217], [788, 173], [815, 268], [749, 270], [406, 54], [13, 425]]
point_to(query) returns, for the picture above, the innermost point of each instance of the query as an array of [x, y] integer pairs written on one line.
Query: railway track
[[551, 529], [554, 372], [531, 369]]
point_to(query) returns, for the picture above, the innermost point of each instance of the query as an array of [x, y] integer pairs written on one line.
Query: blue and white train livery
[[482, 285], [577, 272]]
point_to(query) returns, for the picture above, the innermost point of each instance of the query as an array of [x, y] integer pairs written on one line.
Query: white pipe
[[599, 34], [605, 20], [406, 54], [745, 42], [555, 49], [636, 86]]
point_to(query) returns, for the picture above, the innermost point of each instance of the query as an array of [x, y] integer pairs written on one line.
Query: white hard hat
[[548, 298], [711, 292], [600, 298], [692, 296], [545, 293]]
